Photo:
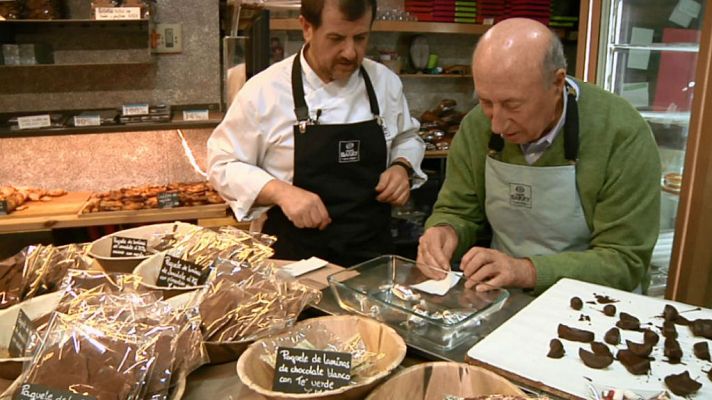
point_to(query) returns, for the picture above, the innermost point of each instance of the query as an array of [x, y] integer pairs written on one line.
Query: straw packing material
[[378, 338], [446, 380]]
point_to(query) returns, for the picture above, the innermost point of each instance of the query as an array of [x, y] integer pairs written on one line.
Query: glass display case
[[648, 54]]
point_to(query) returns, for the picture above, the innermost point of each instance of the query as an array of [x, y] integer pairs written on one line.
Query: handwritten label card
[[176, 272], [128, 247], [309, 371], [31, 391], [24, 330], [34, 122], [168, 200], [114, 13], [134, 109], [196, 115]]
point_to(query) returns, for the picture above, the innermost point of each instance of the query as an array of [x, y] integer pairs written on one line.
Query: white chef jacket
[[255, 143]]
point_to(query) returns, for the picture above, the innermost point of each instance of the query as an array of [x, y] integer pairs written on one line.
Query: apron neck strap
[[571, 129], [300, 105]]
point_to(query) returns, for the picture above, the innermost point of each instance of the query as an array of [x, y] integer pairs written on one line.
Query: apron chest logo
[[349, 151], [520, 195]]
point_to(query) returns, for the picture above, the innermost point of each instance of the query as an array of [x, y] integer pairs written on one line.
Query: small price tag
[[128, 247], [196, 115], [309, 371], [31, 391], [24, 330], [34, 121], [134, 109], [168, 200], [113, 13], [176, 272], [3, 207], [87, 120]]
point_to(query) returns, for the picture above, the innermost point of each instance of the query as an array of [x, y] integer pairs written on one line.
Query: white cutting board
[[518, 348]]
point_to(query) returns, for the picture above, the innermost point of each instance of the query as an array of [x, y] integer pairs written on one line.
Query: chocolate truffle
[[576, 303], [613, 336], [628, 322], [682, 384], [556, 349], [669, 330], [670, 313], [702, 327], [595, 361], [601, 349], [636, 365], [609, 310], [575, 335], [672, 351], [702, 351], [650, 337], [642, 350]]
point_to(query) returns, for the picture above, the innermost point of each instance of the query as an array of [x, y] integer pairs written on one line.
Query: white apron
[[536, 210]]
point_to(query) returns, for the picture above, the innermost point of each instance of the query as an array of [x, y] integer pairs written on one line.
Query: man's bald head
[[519, 46]]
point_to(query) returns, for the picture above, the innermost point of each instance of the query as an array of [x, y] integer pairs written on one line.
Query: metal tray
[[443, 321]]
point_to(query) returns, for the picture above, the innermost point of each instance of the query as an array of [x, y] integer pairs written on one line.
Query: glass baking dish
[[380, 289]]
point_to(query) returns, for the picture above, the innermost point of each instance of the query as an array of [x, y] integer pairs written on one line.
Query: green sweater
[[618, 178]]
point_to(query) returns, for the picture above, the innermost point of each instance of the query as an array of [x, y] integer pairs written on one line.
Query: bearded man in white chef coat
[[323, 142]]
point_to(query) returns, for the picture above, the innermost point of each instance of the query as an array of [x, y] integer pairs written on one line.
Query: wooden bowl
[[100, 249], [148, 270], [435, 380], [258, 376]]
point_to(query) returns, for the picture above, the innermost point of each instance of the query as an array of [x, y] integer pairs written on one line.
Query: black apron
[[342, 164]]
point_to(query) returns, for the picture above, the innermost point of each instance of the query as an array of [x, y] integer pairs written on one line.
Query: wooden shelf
[[435, 76], [13, 223], [397, 26], [436, 154], [177, 122]]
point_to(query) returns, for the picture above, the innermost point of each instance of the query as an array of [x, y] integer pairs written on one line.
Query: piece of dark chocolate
[[702, 351], [575, 335], [595, 361], [639, 349], [650, 337], [576, 303], [556, 349], [609, 310], [672, 351], [601, 349], [613, 336], [636, 365], [585, 318], [682, 384], [702, 327], [628, 322], [669, 330], [601, 299], [670, 313]]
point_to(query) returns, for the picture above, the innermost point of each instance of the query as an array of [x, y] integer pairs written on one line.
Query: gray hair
[[554, 58]]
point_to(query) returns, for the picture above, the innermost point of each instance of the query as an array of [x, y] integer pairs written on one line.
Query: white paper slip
[[440, 287], [302, 267]]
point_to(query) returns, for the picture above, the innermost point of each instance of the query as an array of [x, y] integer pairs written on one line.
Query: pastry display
[[147, 197], [16, 197]]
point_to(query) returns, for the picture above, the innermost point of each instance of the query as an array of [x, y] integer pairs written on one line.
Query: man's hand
[[435, 249], [304, 208], [393, 186], [487, 269]]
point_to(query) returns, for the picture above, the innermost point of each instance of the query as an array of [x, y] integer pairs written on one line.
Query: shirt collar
[[545, 141]]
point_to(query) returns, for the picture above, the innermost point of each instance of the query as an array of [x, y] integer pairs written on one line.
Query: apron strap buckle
[[303, 126]]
